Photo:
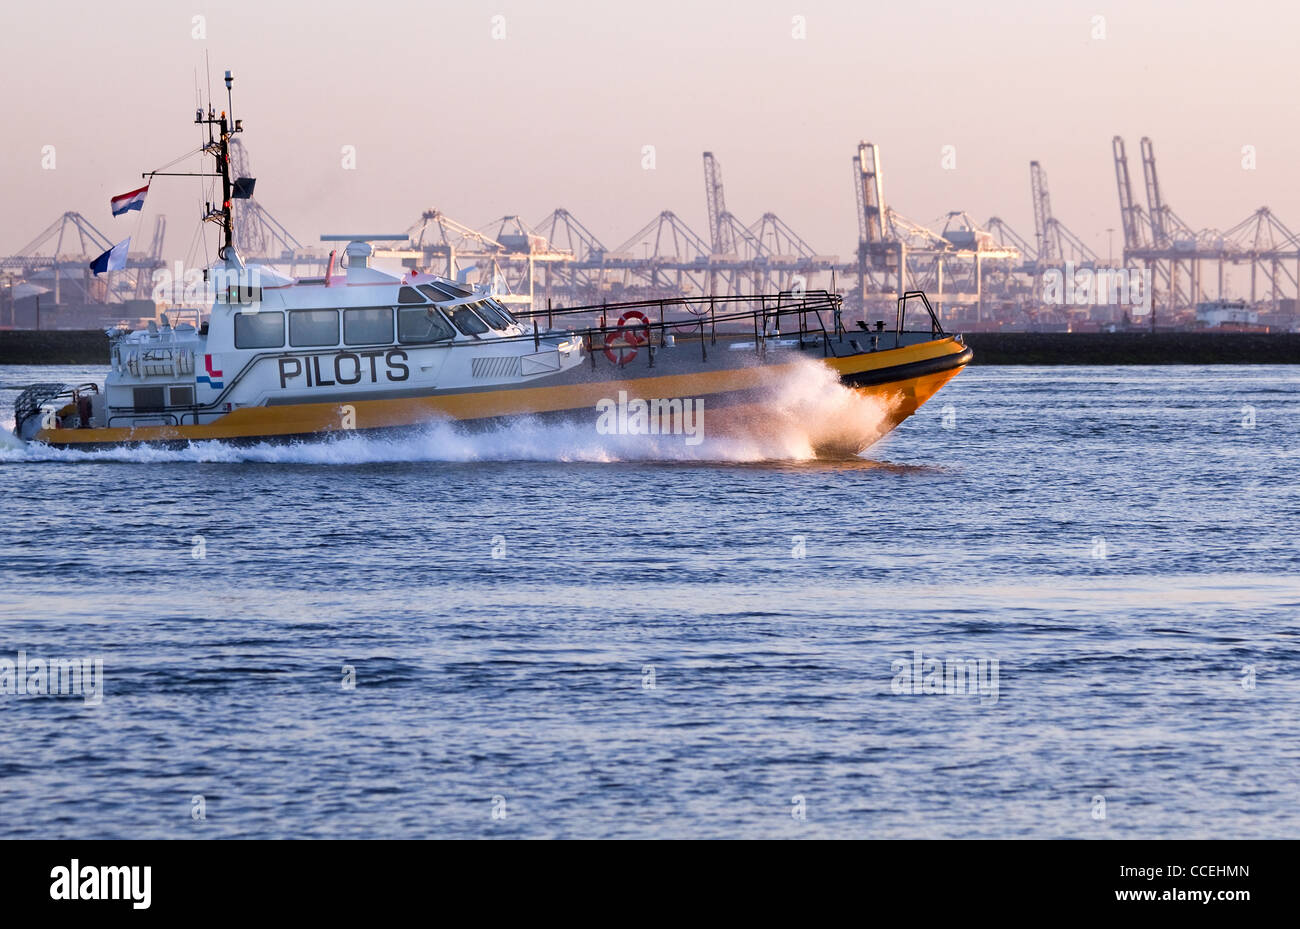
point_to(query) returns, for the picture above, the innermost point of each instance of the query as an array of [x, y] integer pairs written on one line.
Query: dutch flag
[[129, 201]]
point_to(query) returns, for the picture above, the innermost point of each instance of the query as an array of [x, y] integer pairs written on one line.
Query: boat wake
[[804, 413]]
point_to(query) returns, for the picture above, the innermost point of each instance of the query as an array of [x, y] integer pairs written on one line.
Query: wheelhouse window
[[441, 291], [313, 328], [409, 295], [490, 313], [422, 324], [466, 321], [501, 308], [264, 329], [369, 326]]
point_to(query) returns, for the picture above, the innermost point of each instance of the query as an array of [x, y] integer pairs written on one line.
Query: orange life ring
[[628, 336]]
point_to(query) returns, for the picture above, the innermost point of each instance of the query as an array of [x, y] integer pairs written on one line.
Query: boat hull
[[899, 379]]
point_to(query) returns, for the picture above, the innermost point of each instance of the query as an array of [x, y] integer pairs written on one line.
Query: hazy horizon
[[443, 115]]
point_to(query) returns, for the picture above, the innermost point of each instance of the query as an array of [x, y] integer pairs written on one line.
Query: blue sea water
[[676, 642]]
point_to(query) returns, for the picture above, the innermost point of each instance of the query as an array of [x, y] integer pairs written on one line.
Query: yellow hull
[[899, 399]]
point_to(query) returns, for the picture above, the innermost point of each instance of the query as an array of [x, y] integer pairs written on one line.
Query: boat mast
[[219, 148]]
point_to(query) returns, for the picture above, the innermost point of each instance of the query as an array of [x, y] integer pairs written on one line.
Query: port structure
[[561, 260], [896, 254], [981, 276], [49, 280], [1191, 267]]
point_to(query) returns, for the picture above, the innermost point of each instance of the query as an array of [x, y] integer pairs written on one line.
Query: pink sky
[[556, 114]]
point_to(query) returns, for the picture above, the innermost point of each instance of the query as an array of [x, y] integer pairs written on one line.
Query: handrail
[[760, 316], [33, 397], [819, 297], [936, 328]]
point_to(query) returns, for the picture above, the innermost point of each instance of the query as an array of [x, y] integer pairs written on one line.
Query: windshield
[[490, 313], [466, 321], [501, 308]]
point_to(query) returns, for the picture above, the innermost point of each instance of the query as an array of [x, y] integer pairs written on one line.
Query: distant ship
[[367, 351]]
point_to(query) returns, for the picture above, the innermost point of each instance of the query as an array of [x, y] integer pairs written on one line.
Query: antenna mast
[[219, 148]]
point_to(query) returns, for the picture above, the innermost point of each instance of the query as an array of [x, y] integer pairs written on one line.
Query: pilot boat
[[371, 351]]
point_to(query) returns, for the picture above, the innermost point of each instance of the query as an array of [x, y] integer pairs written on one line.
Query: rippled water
[[650, 657]]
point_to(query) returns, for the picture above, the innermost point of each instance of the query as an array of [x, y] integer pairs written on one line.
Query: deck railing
[[650, 323]]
